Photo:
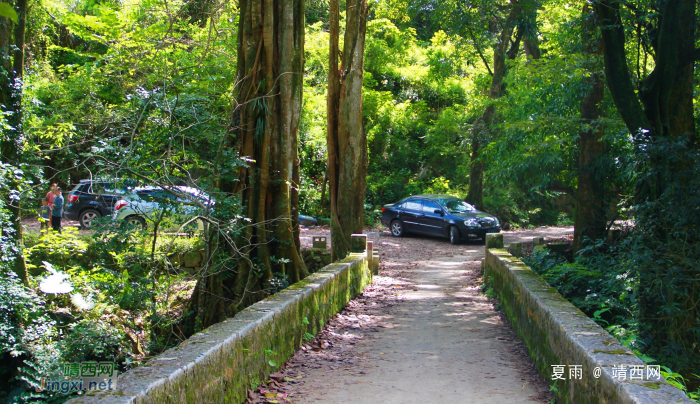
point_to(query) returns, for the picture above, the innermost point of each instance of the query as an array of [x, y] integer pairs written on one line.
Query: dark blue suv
[[438, 215], [91, 200]]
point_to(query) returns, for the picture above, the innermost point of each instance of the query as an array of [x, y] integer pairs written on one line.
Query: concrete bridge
[[422, 330]]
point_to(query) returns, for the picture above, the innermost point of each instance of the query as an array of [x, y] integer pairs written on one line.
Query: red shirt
[[49, 197]]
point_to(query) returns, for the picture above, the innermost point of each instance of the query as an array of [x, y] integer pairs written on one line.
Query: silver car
[[143, 206]]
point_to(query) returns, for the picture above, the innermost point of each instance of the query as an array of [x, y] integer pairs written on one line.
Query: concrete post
[[319, 242], [538, 240], [516, 249], [375, 262], [494, 240], [370, 254], [358, 243]]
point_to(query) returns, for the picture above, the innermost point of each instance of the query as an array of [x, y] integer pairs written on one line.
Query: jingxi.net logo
[[82, 376]]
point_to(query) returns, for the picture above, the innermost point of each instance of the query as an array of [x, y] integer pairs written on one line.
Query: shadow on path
[[423, 332]]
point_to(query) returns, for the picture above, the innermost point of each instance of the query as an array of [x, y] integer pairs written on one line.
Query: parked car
[[307, 220], [90, 200], [142, 204], [438, 215]]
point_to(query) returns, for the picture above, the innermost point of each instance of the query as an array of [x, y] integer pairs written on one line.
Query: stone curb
[[557, 333], [222, 362]]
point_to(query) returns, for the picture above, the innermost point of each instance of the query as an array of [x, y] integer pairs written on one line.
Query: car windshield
[[457, 205]]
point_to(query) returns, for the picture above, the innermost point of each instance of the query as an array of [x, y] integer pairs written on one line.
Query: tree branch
[[616, 71], [478, 50]]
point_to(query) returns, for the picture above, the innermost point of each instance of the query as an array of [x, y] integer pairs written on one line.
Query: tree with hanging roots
[[347, 141], [269, 91]]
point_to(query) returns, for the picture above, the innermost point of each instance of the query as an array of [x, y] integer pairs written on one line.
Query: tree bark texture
[[660, 111], [506, 48], [664, 104], [270, 70], [11, 89], [347, 141], [591, 196], [269, 91]]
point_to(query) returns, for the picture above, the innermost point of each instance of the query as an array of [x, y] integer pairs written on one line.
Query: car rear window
[[106, 188], [77, 188]]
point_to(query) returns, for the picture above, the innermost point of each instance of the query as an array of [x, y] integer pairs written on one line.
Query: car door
[[411, 216], [166, 207], [187, 208], [107, 195], [433, 223]]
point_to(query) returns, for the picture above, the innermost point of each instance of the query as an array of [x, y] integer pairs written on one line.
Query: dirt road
[[423, 332]]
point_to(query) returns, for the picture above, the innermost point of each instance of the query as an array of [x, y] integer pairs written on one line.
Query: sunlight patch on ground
[[395, 245], [492, 320], [428, 286]]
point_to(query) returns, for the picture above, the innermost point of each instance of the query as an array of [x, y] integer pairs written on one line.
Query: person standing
[[57, 209], [50, 195], [45, 214]]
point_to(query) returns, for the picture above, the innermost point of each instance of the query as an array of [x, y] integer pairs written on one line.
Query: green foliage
[[608, 284], [24, 328], [8, 12], [94, 340], [22, 317], [598, 282], [666, 254], [105, 318]]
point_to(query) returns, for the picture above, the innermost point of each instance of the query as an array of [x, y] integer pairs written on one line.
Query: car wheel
[[87, 217], [454, 235], [396, 228], [135, 222]]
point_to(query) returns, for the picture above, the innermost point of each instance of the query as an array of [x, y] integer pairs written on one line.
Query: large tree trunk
[[269, 91], [12, 144], [591, 196], [481, 131], [661, 111], [347, 141], [294, 203], [270, 59], [664, 105]]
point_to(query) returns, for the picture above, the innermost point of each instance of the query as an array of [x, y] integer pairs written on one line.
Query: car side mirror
[[438, 211]]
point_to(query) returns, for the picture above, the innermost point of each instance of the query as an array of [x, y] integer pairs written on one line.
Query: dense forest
[[543, 112]]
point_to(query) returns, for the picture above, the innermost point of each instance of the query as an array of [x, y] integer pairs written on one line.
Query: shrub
[[97, 340]]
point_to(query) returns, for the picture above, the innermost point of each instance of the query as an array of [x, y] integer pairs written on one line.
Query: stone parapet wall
[[220, 364], [557, 333]]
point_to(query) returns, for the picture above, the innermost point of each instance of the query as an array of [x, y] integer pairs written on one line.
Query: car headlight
[[497, 222], [471, 222]]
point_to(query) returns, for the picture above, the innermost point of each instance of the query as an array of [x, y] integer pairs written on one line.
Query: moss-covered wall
[[557, 333], [220, 364]]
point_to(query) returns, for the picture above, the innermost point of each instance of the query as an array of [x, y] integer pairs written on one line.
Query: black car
[[91, 200], [438, 215]]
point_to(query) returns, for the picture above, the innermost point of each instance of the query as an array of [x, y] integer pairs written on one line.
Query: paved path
[[441, 342]]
